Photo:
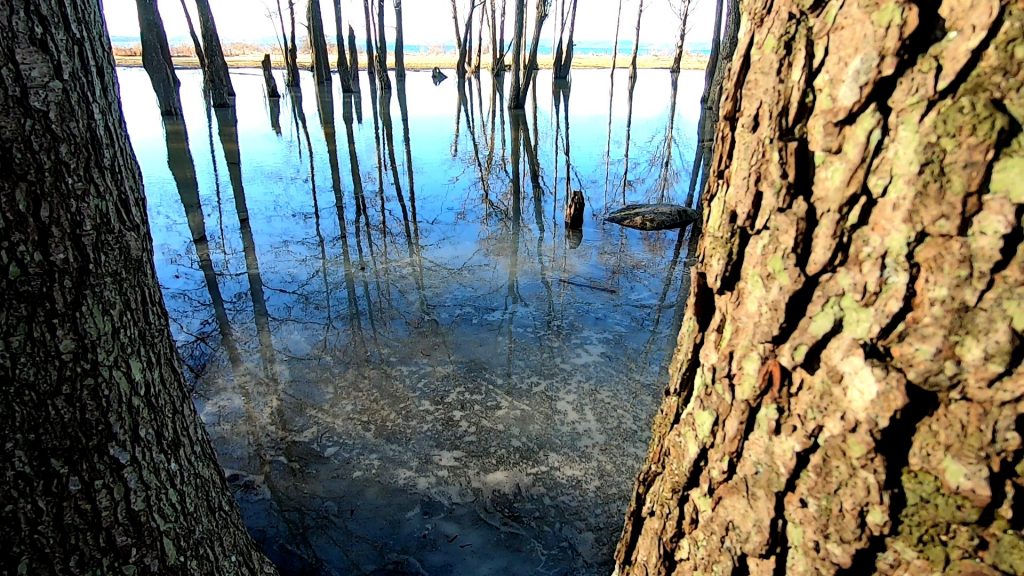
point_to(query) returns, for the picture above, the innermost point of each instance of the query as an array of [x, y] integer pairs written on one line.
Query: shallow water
[[404, 362]]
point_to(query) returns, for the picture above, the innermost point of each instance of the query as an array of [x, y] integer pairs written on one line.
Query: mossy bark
[[107, 468], [847, 391]]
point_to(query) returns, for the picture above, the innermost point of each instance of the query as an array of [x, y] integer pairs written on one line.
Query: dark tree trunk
[[318, 43], [703, 141], [344, 74], [107, 468], [382, 49], [353, 55], [217, 78], [846, 392], [630, 88], [156, 58], [200, 54], [465, 41], [522, 77], [268, 78], [399, 43], [292, 79], [369, 39], [563, 58], [714, 98]]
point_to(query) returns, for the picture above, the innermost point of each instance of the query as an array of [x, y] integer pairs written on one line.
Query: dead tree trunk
[[684, 18], [563, 54], [399, 43], [846, 392], [156, 58], [353, 55], [268, 78], [629, 98], [200, 54], [344, 73], [292, 80], [107, 468], [318, 43], [217, 79], [464, 38], [523, 78], [370, 68], [382, 49]]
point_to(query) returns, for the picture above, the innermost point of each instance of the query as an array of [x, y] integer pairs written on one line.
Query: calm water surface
[[405, 363]]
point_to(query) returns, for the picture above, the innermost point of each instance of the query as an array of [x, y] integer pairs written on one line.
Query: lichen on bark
[[846, 395]]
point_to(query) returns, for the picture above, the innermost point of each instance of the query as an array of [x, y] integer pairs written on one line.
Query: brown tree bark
[[318, 43], [382, 49], [107, 468], [846, 395], [156, 58], [217, 78], [522, 74]]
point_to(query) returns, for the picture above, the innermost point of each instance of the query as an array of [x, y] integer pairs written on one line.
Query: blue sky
[[426, 22]]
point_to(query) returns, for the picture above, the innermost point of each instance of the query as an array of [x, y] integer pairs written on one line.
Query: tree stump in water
[[653, 216], [574, 211], [437, 75], [268, 76]]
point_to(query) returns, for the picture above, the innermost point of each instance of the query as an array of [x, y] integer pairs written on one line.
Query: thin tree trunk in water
[[200, 54], [703, 146], [344, 74], [317, 43], [527, 71], [370, 70], [496, 49], [217, 78], [629, 98], [479, 44], [563, 62], [464, 40], [399, 43], [382, 49], [292, 81], [846, 392], [684, 18], [107, 467], [611, 98], [156, 58]]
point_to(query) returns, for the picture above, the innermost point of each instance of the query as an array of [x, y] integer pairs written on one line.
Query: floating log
[[653, 216], [268, 76]]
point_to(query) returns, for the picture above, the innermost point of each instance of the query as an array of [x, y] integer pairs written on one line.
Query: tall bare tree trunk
[[292, 80], [563, 54], [370, 68], [629, 97], [200, 54], [518, 31], [846, 392], [382, 49], [344, 73], [517, 100], [318, 43], [703, 141], [714, 98], [399, 43], [611, 99], [156, 58], [217, 78], [684, 18], [107, 468]]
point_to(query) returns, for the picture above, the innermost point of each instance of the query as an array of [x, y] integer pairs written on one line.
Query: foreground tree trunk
[[156, 58], [318, 43], [107, 468], [217, 78], [399, 42], [846, 395]]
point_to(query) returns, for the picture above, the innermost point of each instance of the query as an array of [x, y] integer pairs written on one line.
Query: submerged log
[[268, 76], [653, 216], [574, 210]]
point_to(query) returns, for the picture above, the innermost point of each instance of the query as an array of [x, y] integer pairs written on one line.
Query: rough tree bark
[[344, 73], [522, 77], [321, 63], [156, 58], [217, 78], [382, 49], [846, 395], [107, 468], [292, 58]]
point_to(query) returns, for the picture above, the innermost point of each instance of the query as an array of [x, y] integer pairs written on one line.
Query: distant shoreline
[[419, 61]]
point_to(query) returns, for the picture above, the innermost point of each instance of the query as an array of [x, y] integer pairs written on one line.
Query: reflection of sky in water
[[471, 397]]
